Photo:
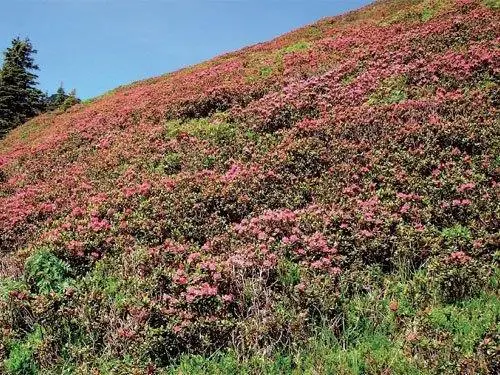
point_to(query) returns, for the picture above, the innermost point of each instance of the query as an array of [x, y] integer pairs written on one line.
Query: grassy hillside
[[327, 202]]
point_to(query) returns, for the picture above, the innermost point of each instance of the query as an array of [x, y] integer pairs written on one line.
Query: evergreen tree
[[70, 101], [54, 101], [61, 100], [60, 96], [19, 97]]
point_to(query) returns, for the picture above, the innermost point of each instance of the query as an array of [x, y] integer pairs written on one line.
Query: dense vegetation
[[20, 99], [326, 202]]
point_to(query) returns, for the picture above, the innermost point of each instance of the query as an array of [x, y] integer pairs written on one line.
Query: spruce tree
[[61, 100], [20, 99], [54, 101], [60, 96]]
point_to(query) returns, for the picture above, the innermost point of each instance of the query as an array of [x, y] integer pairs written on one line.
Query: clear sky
[[96, 45]]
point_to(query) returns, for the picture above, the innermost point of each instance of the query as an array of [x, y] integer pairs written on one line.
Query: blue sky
[[96, 45]]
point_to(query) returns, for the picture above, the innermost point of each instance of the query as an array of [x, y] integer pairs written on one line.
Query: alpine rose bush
[[226, 206]]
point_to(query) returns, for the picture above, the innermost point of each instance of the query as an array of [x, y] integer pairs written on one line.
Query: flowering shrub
[[240, 203]]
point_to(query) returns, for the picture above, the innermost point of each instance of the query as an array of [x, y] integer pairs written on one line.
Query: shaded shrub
[[171, 163], [488, 348], [458, 276]]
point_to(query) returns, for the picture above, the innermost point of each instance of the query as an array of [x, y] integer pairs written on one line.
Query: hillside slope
[[327, 201]]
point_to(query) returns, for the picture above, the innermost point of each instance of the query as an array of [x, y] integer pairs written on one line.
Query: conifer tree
[[54, 101], [60, 96], [20, 99], [62, 100]]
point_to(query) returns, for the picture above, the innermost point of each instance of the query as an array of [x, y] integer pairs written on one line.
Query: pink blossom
[[193, 257], [99, 225], [366, 233], [459, 257], [466, 187], [405, 208]]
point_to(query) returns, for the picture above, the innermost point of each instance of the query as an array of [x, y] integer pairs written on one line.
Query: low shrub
[[44, 272], [458, 276]]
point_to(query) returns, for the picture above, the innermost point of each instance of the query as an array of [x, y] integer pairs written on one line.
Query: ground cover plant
[[327, 202]]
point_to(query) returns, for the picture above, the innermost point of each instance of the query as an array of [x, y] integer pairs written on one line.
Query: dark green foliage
[[493, 4], [70, 101], [54, 101], [46, 273], [19, 97], [62, 100]]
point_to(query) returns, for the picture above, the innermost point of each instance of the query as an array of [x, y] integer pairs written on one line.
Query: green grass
[[28, 129], [288, 273], [299, 46], [373, 339], [392, 90], [266, 71], [217, 132], [367, 334], [493, 4], [421, 11], [117, 292], [466, 321], [293, 48], [8, 285], [262, 73], [21, 359], [457, 234], [427, 14], [324, 354], [171, 163]]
